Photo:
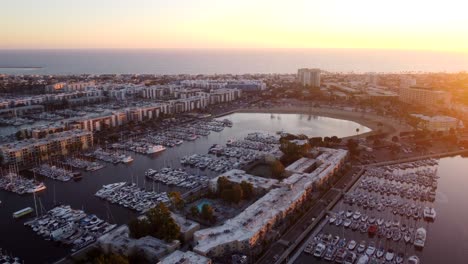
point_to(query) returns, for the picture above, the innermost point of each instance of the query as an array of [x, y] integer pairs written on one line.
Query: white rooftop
[[189, 257], [238, 176]]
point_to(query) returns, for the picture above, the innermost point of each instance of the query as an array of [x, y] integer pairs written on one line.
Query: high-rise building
[[309, 77]]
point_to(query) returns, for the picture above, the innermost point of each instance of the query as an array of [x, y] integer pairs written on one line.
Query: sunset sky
[[398, 24]]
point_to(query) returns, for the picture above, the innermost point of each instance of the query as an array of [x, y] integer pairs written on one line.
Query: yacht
[[420, 237], [352, 244], [364, 259], [155, 149], [389, 255], [413, 260], [127, 159], [319, 250], [429, 213]]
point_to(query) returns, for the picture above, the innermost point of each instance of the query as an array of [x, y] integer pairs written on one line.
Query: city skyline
[[144, 24]]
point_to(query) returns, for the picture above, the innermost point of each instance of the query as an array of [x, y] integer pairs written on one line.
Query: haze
[[415, 25]]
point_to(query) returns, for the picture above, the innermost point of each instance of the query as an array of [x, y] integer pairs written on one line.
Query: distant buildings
[[424, 96], [309, 77], [244, 85], [438, 123], [372, 79], [27, 151]]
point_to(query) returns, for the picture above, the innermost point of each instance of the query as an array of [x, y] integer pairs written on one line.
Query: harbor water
[[21, 241], [447, 236]]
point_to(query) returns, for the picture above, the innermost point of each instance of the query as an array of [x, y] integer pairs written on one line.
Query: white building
[[188, 257], [246, 230], [238, 176], [309, 77], [438, 123], [119, 241]]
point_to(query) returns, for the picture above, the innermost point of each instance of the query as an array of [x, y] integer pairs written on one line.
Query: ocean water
[[223, 61]]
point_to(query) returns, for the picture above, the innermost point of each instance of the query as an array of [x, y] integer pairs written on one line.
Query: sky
[[397, 24]]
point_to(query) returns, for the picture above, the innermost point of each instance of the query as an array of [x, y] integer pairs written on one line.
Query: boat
[[413, 260], [352, 244], [370, 249], [347, 222], [22, 212], [350, 258], [389, 255], [319, 250], [380, 252], [155, 149], [420, 237], [127, 159], [362, 247], [407, 236], [363, 259], [429, 213], [399, 258]]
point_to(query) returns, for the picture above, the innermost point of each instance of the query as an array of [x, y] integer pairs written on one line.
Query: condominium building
[[309, 77], [224, 95], [238, 176], [246, 230], [187, 257], [424, 96], [30, 150], [438, 123]]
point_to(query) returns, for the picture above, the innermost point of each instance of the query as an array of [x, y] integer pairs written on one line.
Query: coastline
[[365, 119]]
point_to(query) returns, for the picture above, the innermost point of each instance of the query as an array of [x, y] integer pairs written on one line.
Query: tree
[[277, 169], [247, 189], [353, 147], [194, 211], [111, 258], [139, 227], [19, 135], [158, 223], [223, 183], [177, 200], [207, 212]]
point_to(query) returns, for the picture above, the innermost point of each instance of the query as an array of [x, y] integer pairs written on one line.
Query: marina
[[54, 172], [81, 194], [83, 164], [178, 177], [18, 184], [110, 156], [386, 217], [5, 258], [69, 226], [131, 196]]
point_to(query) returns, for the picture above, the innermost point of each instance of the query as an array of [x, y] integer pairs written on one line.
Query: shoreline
[[368, 120]]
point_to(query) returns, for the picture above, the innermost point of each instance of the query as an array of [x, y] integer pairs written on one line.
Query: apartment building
[[424, 96], [27, 151], [309, 77], [246, 230], [438, 123]]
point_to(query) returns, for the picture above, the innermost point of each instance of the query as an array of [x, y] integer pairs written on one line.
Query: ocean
[[224, 61]]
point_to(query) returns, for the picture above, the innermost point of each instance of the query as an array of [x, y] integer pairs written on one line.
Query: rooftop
[[189, 257]]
